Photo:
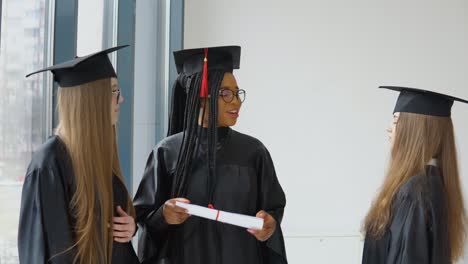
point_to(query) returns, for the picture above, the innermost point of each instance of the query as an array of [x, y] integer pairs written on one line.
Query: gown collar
[[223, 133]]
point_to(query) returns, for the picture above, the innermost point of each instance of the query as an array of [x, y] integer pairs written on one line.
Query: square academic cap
[[83, 70], [190, 61], [418, 101]]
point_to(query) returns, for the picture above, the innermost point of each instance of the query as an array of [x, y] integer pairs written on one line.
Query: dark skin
[[228, 114]]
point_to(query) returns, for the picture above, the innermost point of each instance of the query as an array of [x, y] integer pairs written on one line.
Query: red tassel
[[204, 85], [210, 205]]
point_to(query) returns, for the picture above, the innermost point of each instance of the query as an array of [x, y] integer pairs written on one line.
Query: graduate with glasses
[[418, 215], [75, 207], [205, 162]]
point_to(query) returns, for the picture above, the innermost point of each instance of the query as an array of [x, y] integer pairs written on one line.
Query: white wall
[[311, 68]]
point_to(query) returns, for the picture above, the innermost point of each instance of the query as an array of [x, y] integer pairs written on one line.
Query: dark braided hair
[[184, 117]]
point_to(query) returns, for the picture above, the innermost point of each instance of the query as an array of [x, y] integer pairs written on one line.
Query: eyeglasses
[[229, 95], [118, 94]]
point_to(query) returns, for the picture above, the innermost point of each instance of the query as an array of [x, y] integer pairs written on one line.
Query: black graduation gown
[[46, 224], [246, 184], [418, 232]]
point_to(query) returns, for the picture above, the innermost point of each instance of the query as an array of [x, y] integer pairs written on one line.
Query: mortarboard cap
[[83, 70], [191, 61], [418, 101]]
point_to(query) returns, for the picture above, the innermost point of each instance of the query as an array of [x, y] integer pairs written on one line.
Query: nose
[[121, 99], [236, 101]]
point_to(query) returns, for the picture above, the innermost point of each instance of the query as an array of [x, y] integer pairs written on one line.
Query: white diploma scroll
[[241, 220]]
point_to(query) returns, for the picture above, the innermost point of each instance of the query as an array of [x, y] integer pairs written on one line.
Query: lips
[[233, 113]]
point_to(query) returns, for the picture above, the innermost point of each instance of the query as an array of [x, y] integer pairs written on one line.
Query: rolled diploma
[[241, 220]]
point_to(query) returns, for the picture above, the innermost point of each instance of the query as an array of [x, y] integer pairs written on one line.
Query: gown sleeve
[[151, 195], [45, 230], [419, 233], [273, 201]]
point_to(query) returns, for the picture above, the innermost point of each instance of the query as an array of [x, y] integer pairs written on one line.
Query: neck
[[433, 162], [221, 132], [204, 123], [59, 131]]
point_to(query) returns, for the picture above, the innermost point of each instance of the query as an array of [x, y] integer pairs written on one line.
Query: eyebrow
[[226, 87]]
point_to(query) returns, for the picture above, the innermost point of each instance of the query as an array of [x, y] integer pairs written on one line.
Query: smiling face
[[228, 110]]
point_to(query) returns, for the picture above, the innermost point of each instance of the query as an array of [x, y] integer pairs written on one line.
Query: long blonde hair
[[418, 139], [86, 128]]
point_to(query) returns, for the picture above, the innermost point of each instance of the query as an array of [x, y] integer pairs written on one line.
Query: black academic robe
[[246, 183], [46, 227], [418, 232]]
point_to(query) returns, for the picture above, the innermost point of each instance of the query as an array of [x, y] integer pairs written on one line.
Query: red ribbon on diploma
[[212, 207]]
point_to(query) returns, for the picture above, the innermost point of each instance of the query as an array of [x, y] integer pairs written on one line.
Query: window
[[90, 24], [23, 107]]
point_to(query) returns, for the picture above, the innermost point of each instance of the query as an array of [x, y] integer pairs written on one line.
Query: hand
[[173, 214], [124, 226], [269, 227]]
